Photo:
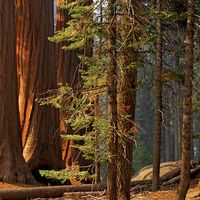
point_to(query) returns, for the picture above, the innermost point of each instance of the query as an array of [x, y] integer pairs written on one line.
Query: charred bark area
[[187, 105], [13, 168], [36, 75]]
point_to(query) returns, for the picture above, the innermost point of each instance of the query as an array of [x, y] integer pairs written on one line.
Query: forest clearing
[[100, 99]]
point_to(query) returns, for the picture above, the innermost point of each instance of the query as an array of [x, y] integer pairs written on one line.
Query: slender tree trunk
[[97, 145], [13, 168], [128, 60], [187, 112], [36, 75], [127, 101], [112, 103], [158, 106], [178, 122], [167, 145]]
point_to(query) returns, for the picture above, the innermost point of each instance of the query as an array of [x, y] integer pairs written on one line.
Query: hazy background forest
[[93, 91]]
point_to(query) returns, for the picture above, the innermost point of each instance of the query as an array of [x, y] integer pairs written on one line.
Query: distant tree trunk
[[36, 75], [112, 103], [178, 114], [67, 64], [187, 112], [158, 106], [167, 144], [13, 168], [97, 112]]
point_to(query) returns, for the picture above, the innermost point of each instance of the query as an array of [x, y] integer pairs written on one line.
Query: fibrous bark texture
[[126, 110], [12, 164], [37, 74]]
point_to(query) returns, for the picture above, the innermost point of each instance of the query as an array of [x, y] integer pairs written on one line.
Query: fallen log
[[170, 175], [141, 188], [176, 179], [47, 191], [57, 191], [142, 182], [195, 171]]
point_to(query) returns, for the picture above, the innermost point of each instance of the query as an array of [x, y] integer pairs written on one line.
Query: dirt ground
[[193, 194]]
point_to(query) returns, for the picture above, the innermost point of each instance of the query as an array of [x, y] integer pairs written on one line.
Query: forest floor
[[167, 194], [193, 194]]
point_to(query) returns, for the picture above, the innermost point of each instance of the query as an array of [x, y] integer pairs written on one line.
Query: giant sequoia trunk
[[36, 75], [187, 105], [12, 164], [67, 66]]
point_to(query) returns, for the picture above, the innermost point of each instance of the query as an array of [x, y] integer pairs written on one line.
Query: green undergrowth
[[61, 176], [64, 176]]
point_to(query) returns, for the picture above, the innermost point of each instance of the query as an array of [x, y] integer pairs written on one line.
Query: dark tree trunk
[[158, 106], [112, 103], [36, 75], [13, 168], [187, 112]]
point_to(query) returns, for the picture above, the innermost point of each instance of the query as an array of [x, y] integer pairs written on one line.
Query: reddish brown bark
[[12, 164], [127, 102], [126, 108], [187, 105], [36, 75]]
